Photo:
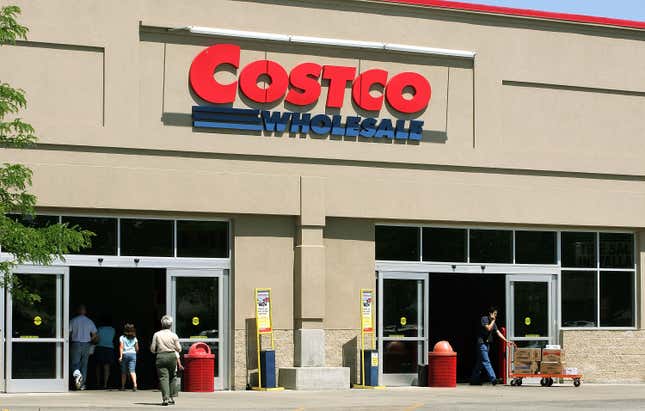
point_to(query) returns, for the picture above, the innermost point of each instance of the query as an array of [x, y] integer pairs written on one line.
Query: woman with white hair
[[165, 344]]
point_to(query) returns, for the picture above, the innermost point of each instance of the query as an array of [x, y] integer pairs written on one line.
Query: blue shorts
[[129, 362]]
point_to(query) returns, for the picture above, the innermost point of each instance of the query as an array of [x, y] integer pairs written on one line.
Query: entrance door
[[198, 302], [37, 334], [402, 326], [530, 309]]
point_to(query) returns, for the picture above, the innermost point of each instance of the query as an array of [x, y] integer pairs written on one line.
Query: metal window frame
[[174, 263], [223, 381], [119, 217], [422, 340], [513, 268], [550, 280], [61, 382]]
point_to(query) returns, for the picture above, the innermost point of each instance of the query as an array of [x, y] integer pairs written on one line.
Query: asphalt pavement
[[526, 397]]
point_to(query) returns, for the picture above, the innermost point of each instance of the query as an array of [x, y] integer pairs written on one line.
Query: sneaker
[[494, 382], [171, 401], [134, 389], [164, 403], [78, 379]]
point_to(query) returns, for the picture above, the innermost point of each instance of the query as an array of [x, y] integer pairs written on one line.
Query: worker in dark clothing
[[484, 338]]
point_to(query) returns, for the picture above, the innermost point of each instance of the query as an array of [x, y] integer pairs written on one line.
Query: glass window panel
[[23, 319], [197, 308], [401, 302], [491, 246], [37, 221], [33, 360], [531, 308], [578, 249], [400, 357], [535, 247], [579, 296], [202, 239], [444, 244], [616, 298], [616, 250], [147, 237], [104, 242], [397, 243]]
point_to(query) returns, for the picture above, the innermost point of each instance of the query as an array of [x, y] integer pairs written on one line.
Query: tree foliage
[[27, 243]]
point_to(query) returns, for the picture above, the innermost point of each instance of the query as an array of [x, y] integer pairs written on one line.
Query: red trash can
[[442, 366], [199, 369]]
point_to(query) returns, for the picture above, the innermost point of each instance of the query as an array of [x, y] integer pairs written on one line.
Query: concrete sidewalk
[[597, 397]]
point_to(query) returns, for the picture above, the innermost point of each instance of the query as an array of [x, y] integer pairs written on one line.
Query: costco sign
[[407, 93]]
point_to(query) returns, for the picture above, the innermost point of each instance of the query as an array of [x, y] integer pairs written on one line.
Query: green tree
[[27, 242]]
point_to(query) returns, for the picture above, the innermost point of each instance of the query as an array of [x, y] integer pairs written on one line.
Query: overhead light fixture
[[324, 41], [404, 48], [237, 33]]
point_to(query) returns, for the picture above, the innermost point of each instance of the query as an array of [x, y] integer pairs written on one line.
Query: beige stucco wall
[[119, 116], [543, 129], [262, 257]]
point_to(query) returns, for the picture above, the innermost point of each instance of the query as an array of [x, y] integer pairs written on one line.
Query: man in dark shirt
[[484, 338]]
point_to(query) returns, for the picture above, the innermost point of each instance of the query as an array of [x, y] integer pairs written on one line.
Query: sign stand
[[263, 326], [368, 332]]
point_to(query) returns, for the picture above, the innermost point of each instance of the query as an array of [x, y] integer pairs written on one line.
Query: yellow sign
[[29, 336], [37, 320], [195, 321], [263, 310], [403, 321], [527, 320], [198, 337], [374, 359], [367, 312]]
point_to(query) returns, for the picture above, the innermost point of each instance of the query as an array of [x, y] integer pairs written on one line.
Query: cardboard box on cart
[[552, 361], [553, 355], [525, 367], [551, 367], [527, 355]]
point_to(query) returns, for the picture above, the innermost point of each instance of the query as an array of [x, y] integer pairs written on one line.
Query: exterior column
[[640, 277], [309, 281]]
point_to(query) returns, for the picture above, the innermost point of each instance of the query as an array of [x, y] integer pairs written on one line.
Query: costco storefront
[[449, 156]]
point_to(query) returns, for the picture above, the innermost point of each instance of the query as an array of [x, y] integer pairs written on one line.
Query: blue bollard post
[[370, 364], [267, 365]]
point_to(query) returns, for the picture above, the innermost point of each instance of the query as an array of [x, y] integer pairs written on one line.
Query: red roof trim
[[509, 11]]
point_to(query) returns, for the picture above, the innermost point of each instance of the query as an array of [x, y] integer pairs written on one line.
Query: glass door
[[402, 335], [37, 333], [530, 310], [197, 301]]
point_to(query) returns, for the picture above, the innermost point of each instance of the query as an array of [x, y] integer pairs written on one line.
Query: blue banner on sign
[[304, 123]]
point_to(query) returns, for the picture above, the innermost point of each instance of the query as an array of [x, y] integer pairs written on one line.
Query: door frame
[[552, 284], [223, 381], [62, 341], [401, 379], [3, 338]]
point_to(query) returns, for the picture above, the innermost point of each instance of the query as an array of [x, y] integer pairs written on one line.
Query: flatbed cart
[[546, 380]]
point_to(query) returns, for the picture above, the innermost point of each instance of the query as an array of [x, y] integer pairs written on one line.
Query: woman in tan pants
[[165, 344]]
